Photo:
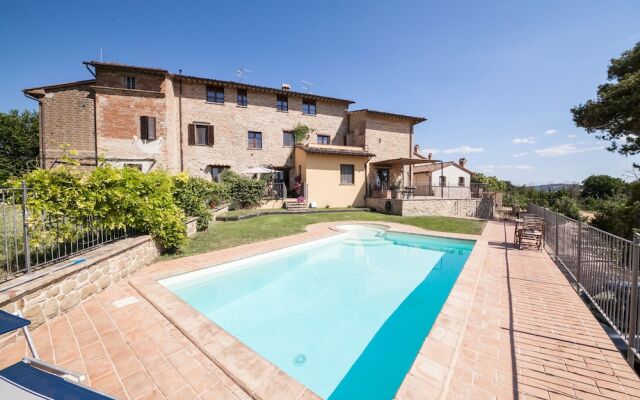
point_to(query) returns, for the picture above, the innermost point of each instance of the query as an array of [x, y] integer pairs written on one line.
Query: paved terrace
[[520, 331]]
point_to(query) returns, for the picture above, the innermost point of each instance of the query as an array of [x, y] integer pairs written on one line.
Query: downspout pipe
[[90, 71], [180, 123]]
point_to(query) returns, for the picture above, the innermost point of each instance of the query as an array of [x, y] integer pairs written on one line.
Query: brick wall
[[116, 79], [68, 119]]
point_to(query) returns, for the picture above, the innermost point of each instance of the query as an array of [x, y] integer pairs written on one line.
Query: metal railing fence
[[429, 191], [603, 266], [31, 241]]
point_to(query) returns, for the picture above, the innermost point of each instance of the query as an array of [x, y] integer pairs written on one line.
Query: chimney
[[429, 156], [462, 162], [416, 149], [286, 86]]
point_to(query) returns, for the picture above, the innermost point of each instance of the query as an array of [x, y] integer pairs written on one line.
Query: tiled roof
[[436, 166], [219, 82], [412, 119], [60, 85], [337, 150]]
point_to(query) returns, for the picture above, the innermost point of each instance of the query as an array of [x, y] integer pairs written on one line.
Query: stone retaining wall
[[55, 289], [476, 208]]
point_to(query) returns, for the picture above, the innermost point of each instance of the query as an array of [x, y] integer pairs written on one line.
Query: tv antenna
[[242, 74], [307, 86]]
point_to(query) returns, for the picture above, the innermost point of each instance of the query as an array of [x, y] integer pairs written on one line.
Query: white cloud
[[527, 140], [572, 136], [524, 153], [491, 167], [551, 132], [464, 150], [563, 150]]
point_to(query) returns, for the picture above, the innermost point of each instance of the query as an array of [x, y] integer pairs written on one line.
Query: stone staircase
[[294, 205]]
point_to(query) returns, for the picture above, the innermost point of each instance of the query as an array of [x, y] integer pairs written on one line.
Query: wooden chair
[[532, 232]]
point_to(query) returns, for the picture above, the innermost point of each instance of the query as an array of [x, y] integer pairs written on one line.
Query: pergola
[[402, 162]]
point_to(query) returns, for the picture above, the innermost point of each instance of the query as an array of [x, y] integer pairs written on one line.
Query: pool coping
[[429, 374]]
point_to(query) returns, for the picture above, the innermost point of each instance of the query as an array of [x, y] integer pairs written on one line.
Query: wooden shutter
[[144, 128], [151, 128], [210, 135], [191, 134]]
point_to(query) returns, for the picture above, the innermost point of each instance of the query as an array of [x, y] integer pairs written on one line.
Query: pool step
[[367, 241], [294, 205]]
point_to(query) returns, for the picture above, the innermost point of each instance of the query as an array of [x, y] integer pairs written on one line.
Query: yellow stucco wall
[[322, 173]]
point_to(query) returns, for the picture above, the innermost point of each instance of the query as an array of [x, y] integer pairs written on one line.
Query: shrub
[[194, 196], [568, 207], [115, 197], [243, 192]]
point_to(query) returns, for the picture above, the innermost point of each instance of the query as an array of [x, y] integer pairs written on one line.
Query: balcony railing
[[426, 192], [602, 266]]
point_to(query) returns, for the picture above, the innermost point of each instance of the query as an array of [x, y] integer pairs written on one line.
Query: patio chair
[[33, 378], [532, 232]]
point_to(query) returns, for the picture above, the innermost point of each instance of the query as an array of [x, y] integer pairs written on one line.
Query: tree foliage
[[601, 187], [243, 192], [491, 183], [195, 195], [301, 132], [111, 197], [615, 115], [19, 143]]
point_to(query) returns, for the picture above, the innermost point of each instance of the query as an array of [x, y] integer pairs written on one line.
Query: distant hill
[[553, 187]]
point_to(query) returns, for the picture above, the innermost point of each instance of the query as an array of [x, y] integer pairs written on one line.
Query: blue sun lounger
[[33, 378]]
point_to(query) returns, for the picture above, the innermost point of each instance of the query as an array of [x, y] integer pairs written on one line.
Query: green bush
[[195, 195], [568, 207], [243, 192], [114, 197]]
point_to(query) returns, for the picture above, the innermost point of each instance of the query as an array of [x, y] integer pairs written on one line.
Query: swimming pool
[[345, 316]]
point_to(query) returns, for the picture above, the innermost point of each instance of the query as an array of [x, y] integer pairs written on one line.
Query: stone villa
[[150, 118]]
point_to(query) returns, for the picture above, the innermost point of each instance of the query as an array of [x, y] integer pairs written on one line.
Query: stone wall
[[53, 290], [475, 208]]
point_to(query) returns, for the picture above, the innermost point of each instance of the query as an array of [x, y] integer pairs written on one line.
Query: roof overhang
[[264, 89], [40, 91], [413, 120], [395, 162], [336, 150], [125, 67]]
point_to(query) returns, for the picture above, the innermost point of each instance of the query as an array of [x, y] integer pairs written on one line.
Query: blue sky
[[496, 79]]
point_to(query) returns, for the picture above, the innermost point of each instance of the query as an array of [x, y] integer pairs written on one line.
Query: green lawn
[[228, 234], [237, 213]]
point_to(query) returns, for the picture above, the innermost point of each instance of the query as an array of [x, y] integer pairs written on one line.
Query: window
[[346, 174], [288, 139], [323, 139], [200, 135], [215, 94], [215, 172], [282, 103], [130, 82], [242, 97], [309, 107], [134, 166], [443, 180], [255, 140], [148, 128], [461, 181]]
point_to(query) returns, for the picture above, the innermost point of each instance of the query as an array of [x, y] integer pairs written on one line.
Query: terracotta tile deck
[[512, 327]]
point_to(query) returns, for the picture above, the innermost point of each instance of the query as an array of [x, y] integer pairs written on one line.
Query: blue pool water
[[345, 316]]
